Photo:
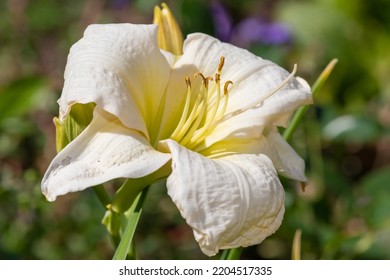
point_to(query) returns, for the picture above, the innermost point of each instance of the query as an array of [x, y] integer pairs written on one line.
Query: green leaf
[[21, 96], [374, 203], [377, 182], [352, 128], [134, 215]]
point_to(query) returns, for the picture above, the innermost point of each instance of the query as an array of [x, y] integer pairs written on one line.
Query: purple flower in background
[[223, 23], [119, 4], [254, 30], [248, 31]]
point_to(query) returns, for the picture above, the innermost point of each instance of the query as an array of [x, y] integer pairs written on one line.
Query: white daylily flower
[[211, 112]]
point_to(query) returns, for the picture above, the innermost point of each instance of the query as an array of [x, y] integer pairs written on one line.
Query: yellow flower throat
[[200, 117]]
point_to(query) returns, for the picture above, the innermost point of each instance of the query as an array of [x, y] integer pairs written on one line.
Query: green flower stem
[[132, 254], [234, 254], [127, 193], [128, 202], [125, 245], [287, 134], [224, 254], [102, 195], [296, 247]]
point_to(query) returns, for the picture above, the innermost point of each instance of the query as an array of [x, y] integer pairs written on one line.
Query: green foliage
[[350, 128], [18, 97]]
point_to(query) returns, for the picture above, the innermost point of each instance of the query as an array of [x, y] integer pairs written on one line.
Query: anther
[[225, 87], [221, 63], [199, 74], [217, 77], [188, 81], [205, 79]]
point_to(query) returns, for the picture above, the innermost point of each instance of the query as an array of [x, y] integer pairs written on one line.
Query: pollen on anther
[[188, 81], [205, 79], [217, 77], [225, 87], [221, 63]]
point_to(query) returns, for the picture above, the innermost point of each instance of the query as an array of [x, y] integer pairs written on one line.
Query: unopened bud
[[170, 37]]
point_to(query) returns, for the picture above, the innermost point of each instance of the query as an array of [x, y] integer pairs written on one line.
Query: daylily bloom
[[207, 120]]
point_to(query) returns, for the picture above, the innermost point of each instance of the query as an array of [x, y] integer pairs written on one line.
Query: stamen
[[217, 77], [188, 81], [191, 118], [201, 134], [183, 117], [200, 113], [201, 116], [199, 74], [198, 119], [205, 79], [225, 88], [225, 101]]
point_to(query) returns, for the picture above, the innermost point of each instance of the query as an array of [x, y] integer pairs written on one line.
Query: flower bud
[[170, 37]]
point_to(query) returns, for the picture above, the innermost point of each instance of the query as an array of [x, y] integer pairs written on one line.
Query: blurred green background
[[344, 212]]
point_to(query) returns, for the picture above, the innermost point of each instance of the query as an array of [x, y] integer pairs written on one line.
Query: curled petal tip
[[48, 195], [50, 198], [303, 82]]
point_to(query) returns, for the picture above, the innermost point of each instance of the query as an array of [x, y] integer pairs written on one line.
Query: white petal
[[121, 69], [246, 126], [253, 78], [173, 102], [230, 202], [103, 151], [287, 162]]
